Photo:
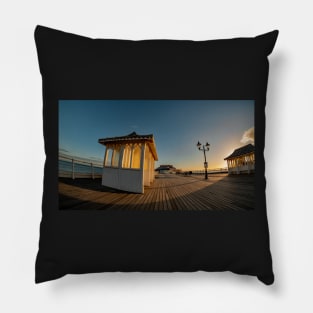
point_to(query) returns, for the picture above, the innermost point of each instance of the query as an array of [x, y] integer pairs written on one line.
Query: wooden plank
[[168, 192]]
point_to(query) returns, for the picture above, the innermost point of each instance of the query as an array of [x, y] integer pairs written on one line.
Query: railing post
[[92, 172], [73, 169]]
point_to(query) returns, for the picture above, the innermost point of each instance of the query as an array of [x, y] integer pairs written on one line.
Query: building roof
[[129, 137], [132, 138], [241, 151], [165, 167]]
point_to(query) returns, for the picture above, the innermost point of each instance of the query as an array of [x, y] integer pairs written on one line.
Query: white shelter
[[129, 162], [242, 160]]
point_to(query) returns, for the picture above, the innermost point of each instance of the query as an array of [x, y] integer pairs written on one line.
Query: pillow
[[154, 155]]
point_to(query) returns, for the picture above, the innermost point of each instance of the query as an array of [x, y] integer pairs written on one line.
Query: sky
[[177, 125]]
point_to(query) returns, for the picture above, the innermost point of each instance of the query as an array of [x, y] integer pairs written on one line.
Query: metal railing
[[202, 171], [211, 171], [75, 167]]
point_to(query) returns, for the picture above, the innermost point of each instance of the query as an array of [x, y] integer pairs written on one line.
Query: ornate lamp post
[[204, 148]]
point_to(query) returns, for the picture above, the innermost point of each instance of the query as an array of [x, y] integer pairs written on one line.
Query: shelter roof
[[132, 138], [241, 151]]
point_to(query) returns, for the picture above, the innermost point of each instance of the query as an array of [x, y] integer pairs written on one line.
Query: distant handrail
[[202, 171], [210, 170]]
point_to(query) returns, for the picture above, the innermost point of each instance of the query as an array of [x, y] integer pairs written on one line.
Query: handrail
[[75, 172], [221, 169], [68, 157]]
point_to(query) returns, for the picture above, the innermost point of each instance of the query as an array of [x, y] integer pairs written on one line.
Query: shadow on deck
[[87, 183], [168, 192]]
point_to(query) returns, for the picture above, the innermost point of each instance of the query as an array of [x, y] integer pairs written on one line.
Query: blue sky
[[177, 125]]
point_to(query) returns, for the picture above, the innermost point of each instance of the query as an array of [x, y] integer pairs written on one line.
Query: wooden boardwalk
[[168, 192]]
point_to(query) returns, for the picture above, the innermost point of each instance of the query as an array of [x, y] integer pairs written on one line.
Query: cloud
[[248, 136]]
